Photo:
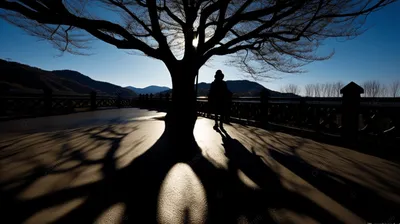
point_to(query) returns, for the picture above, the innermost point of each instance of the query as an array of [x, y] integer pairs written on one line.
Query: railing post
[[166, 107], [47, 100], [317, 117], [396, 120], [264, 107], [93, 96], [160, 102], [140, 103], [2, 106], [146, 98], [3, 103], [229, 107], [132, 103], [350, 111], [151, 101], [118, 101], [302, 111]]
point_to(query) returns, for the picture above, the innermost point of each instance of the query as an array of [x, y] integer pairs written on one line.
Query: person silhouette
[[218, 98]]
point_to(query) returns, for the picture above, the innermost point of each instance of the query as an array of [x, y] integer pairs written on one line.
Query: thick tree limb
[[92, 26], [281, 34]]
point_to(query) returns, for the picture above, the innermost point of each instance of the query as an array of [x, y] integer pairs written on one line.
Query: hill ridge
[[152, 89], [25, 78], [241, 88]]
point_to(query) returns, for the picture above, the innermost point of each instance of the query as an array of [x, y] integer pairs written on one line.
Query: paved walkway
[[110, 167]]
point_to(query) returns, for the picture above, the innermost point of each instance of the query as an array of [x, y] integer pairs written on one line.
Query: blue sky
[[373, 55]]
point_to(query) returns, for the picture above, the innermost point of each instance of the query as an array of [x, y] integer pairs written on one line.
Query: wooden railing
[[17, 105], [376, 116], [347, 116]]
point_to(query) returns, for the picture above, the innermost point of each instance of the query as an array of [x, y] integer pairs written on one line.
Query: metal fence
[[346, 116]]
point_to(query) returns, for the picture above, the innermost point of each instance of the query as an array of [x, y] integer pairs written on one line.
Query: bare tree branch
[[337, 87], [57, 14], [394, 88], [291, 88], [308, 90], [260, 37], [372, 88]]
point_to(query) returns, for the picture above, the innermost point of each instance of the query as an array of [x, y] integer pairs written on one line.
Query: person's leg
[[222, 120]]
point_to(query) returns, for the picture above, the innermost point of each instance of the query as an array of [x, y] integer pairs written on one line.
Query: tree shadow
[[364, 202], [232, 197], [136, 185], [363, 188]]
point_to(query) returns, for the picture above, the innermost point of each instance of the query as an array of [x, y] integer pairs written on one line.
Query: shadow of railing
[[364, 202]]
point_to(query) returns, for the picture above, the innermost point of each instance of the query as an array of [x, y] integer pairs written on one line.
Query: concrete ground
[[115, 166]]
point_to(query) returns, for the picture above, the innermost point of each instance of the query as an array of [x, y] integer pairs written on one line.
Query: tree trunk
[[182, 115]]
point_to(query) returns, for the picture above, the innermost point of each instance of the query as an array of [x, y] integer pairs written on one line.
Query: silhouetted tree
[[372, 88], [260, 35], [394, 88], [323, 90], [337, 87], [317, 90], [291, 88], [383, 92], [332, 89], [308, 90], [326, 90]]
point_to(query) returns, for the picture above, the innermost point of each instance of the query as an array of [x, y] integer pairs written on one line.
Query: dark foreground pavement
[[114, 166]]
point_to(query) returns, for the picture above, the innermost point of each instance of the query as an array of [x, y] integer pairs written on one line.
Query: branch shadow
[[363, 191], [231, 199], [364, 202], [136, 185]]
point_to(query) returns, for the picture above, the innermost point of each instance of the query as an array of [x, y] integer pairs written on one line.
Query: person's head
[[219, 75]]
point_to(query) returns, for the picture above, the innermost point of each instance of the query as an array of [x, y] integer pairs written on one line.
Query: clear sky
[[373, 56]]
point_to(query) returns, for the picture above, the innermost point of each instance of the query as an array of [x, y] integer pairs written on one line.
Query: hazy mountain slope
[[23, 77], [103, 87], [241, 88], [19, 77], [148, 90]]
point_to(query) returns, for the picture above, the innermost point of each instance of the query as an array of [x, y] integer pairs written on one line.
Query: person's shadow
[[240, 158]]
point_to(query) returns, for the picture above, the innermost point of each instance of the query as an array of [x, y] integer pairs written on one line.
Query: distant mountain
[[241, 88], [23, 78], [102, 87], [148, 90], [19, 77]]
